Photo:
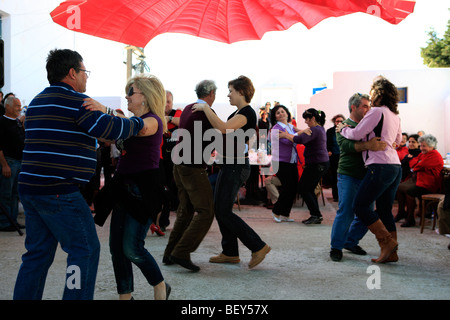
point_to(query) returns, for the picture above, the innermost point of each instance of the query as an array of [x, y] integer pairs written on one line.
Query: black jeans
[[312, 173], [231, 177]]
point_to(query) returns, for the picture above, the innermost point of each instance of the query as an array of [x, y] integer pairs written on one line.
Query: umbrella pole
[[129, 62]]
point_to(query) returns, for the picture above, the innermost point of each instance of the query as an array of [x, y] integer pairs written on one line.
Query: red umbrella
[[136, 22]]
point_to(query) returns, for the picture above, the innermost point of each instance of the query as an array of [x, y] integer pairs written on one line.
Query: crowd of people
[[153, 163]]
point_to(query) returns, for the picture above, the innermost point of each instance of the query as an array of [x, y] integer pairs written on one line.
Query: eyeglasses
[[88, 73], [131, 92]]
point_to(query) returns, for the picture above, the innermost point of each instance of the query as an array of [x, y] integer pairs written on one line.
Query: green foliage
[[437, 53]]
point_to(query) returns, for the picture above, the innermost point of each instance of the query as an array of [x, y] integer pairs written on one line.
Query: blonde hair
[[154, 93]]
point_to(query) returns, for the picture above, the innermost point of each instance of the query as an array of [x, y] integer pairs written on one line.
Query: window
[[403, 95]]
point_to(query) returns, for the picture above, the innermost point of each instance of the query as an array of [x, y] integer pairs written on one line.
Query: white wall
[[427, 109]]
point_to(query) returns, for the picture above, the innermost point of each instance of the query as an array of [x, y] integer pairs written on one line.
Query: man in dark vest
[[194, 189]]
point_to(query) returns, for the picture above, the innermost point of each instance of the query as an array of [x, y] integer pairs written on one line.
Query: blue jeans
[[380, 185], [126, 243], [9, 196], [231, 177], [65, 219], [347, 229]]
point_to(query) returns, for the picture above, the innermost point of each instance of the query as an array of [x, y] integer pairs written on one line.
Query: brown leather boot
[[393, 257], [384, 238]]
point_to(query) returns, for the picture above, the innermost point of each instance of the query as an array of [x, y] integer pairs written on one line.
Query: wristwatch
[[111, 111]]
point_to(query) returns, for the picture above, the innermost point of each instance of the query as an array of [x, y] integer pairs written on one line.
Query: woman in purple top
[[284, 157], [137, 176], [316, 160], [383, 167]]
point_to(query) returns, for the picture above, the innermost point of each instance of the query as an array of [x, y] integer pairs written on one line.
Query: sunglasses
[[131, 92]]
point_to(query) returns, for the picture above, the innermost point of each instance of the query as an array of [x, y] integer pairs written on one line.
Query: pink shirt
[[390, 132]]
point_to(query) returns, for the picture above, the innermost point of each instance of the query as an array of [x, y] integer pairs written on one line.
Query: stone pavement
[[297, 268]]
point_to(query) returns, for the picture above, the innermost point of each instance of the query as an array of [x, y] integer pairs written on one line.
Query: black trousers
[[308, 182], [288, 175]]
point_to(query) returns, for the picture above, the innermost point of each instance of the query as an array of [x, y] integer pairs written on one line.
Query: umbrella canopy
[[136, 22]]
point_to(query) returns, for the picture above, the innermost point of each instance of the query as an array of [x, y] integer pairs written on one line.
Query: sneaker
[[286, 219], [276, 218], [336, 254], [313, 220]]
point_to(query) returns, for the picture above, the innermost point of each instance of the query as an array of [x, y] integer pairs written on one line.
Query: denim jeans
[[347, 229], [231, 177], [126, 243], [380, 185], [65, 219], [9, 196]]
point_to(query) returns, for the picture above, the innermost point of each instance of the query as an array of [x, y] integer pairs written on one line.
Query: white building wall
[[427, 109]]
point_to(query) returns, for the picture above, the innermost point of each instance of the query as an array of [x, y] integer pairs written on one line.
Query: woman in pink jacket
[[383, 167]]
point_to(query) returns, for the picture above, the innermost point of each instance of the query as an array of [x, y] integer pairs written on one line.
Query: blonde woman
[[137, 177]]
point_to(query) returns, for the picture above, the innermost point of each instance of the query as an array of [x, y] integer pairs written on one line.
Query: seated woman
[[413, 151], [425, 178]]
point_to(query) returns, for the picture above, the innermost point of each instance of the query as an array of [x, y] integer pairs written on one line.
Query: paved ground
[[297, 268]]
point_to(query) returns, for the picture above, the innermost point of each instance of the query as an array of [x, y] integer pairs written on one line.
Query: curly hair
[[429, 139], [384, 93]]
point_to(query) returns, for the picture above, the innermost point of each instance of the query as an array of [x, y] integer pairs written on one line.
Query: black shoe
[[400, 216], [336, 254], [313, 220], [356, 250], [8, 229], [168, 290], [185, 263], [408, 224], [166, 260]]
